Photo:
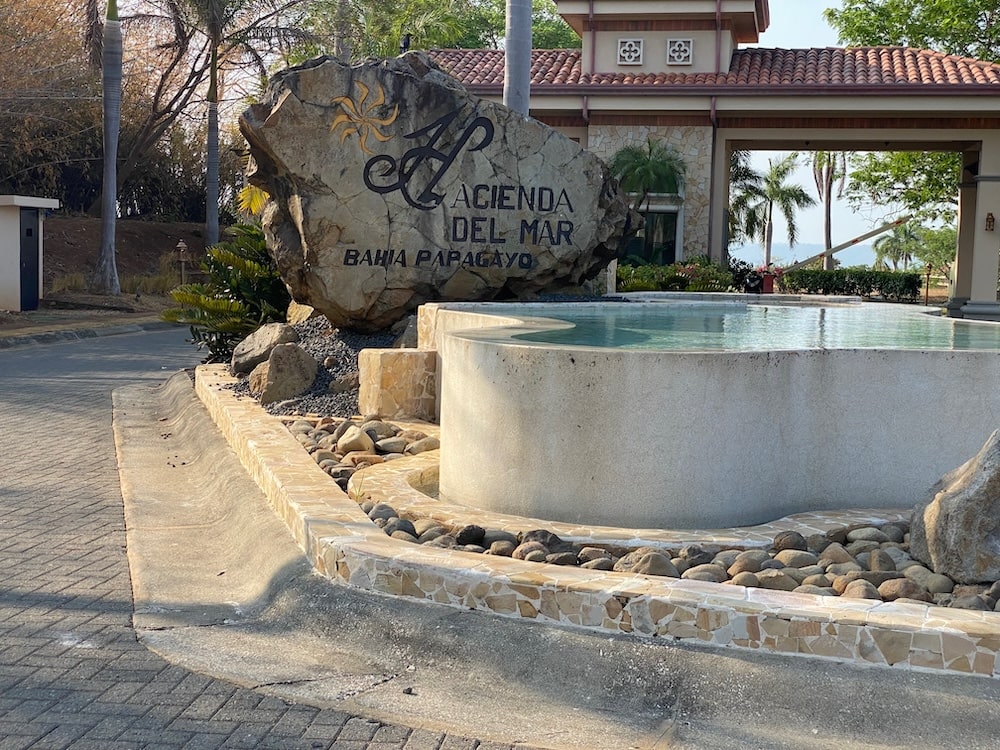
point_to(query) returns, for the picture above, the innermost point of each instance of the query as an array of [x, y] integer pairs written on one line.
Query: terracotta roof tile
[[756, 68]]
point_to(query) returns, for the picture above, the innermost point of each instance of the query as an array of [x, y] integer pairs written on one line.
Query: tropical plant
[[243, 292], [655, 167], [757, 203], [744, 181], [899, 246], [830, 174]]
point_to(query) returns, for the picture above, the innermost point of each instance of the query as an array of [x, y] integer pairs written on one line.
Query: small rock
[[937, 583], [746, 579], [599, 563], [404, 536], [860, 589], [879, 559], [420, 446], [391, 445], [501, 548], [971, 602], [706, 572], [355, 439], [792, 557], [470, 534], [790, 540], [861, 546], [726, 557], [526, 548], [867, 534], [903, 588], [894, 531], [696, 555], [490, 536], [835, 553], [257, 347], [839, 569], [400, 524], [592, 553], [381, 510], [350, 381], [561, 558], [777, 580], [820, 580], [806, 588]]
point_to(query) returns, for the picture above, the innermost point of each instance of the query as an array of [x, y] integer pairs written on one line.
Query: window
[[656, 242]]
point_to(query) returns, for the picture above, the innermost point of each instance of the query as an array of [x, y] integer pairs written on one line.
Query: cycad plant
[[243, 292]]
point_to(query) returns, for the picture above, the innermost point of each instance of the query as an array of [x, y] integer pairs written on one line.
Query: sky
[[796, 24]]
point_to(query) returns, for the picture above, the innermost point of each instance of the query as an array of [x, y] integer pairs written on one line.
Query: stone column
[[982, 304], [720, 200]]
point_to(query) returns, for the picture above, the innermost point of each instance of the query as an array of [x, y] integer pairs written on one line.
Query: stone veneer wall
[[694, 143]]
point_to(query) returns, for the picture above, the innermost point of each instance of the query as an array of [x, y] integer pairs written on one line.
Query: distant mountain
[[782, 254]]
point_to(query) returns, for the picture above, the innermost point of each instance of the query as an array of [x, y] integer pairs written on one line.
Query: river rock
[[288, 371], [390, 185], [256, 347], [955, 530]]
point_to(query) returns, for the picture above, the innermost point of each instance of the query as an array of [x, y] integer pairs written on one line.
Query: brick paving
[[72, 673]]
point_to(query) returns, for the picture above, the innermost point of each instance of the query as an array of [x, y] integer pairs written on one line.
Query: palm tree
[[236, 32], [896, 247], [105, 276], [653, 168], [760, 203], [830, 174], [744, 182]]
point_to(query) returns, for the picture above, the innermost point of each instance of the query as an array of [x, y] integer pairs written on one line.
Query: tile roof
[[903, 69]]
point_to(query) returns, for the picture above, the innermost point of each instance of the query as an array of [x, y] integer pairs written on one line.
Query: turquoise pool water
[[714, 327]]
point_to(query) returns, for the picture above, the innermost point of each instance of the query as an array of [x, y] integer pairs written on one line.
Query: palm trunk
[[212, 158], [828, 215], [517, 58], [768, 236], [105, 276]]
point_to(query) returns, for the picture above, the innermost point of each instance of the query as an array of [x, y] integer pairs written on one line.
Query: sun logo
[[356, 118]]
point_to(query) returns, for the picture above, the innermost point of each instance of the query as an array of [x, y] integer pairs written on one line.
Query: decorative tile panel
[[680, 51], [630, 51]]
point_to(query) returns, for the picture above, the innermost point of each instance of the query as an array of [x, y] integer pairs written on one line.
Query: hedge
[[890, 285]]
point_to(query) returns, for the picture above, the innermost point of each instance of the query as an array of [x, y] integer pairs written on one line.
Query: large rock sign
[[390, 186]]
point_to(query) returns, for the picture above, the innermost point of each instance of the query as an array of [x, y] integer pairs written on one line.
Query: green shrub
[[855, 281], [243, 292], [696, 274]]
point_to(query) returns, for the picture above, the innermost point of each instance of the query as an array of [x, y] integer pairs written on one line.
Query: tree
[[105, 277], [357, 29], [899, 246], [744, 183], [936, 248], [761, 201], [922, 184], [483, 26], [829, 173], [656, 167], [236, 33]]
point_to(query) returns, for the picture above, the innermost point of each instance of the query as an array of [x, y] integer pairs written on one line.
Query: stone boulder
[[256, 347], [391, 185], [288, 372], [956, 531]]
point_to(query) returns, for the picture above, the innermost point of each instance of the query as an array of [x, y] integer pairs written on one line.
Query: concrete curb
[[76, 334]]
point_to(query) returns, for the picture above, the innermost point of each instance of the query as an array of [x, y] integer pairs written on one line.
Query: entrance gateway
[[672, 70]]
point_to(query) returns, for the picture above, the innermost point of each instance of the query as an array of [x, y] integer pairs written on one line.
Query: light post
[[182, 258]]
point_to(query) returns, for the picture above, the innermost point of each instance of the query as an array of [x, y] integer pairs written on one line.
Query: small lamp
[[990, 223], [182, 258]]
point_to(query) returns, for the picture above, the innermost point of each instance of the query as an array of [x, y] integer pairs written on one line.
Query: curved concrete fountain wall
[[694, 440]]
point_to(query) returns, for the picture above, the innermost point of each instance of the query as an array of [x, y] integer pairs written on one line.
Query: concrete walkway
[[72, 673]]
